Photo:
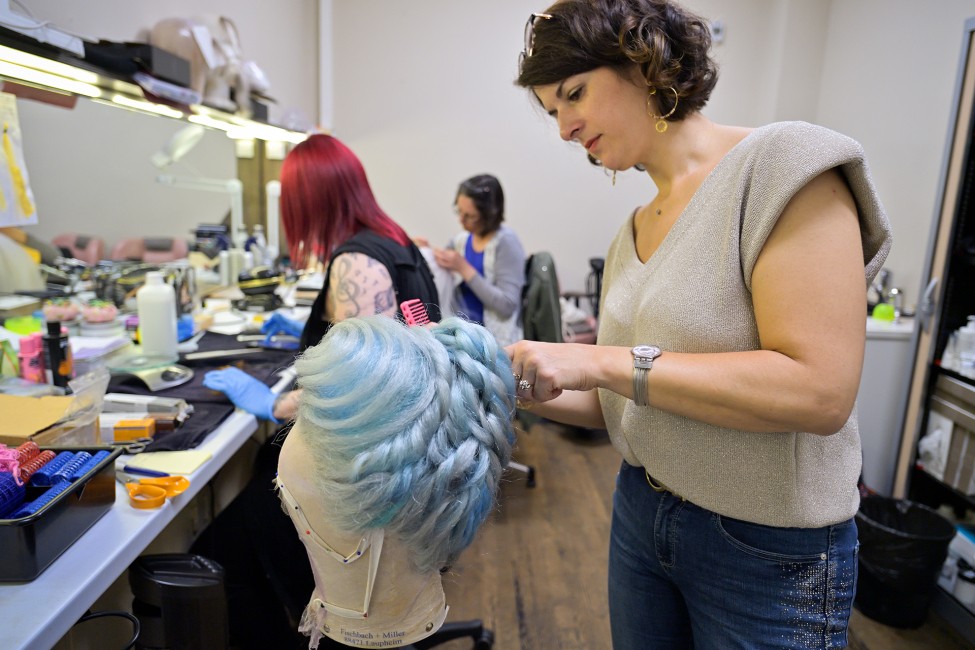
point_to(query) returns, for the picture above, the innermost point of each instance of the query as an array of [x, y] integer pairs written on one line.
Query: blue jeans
[[681, 576]]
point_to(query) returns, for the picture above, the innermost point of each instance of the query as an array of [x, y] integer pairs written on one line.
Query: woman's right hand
[[551, 368], [246, 392], [560, 379], [280, 324]]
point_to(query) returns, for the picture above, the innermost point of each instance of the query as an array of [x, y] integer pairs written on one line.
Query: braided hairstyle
[[410, 428]]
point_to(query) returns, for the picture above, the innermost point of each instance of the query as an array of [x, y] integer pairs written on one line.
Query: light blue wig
[[410, 427]]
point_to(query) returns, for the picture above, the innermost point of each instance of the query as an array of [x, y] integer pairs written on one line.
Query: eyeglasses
[[466, 217], [530, 37]]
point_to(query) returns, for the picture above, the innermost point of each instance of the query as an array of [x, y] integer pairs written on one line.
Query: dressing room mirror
[[91, 171]]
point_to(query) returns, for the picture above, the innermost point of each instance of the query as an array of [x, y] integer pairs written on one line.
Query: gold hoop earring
[[614, 178], [661, 124]]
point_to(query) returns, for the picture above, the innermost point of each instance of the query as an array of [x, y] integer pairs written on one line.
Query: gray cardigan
[[499, 289], [694, 295]]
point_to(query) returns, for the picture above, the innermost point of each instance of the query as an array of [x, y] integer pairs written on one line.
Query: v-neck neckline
[[680, 218]]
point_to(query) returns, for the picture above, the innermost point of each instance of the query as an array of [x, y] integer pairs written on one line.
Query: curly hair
[[484, 190], [411, 428], [668, 44]]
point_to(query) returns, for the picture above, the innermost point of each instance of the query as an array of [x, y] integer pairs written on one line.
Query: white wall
[[89, 167], [889, 81], [423, 92]]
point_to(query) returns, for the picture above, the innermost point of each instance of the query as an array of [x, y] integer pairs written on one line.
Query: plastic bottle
[[259, 246], [966, 348], [235, 265], [32, 358], [225, 270], [949, 359], [156, 303], [57, 355]]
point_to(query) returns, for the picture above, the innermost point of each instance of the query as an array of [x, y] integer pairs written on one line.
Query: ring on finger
[[524, 385]]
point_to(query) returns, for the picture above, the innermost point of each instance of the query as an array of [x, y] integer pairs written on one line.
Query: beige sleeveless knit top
[[694, 295]]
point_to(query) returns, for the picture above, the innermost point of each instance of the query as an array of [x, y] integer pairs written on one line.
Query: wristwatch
[[643, 356]]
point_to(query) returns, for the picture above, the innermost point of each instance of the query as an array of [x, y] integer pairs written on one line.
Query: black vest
[[407, 268]]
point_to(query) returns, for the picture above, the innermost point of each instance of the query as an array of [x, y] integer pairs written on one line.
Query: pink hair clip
[[10, 462], [414, 312]]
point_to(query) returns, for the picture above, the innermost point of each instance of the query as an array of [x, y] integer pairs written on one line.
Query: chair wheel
[[486, 642]]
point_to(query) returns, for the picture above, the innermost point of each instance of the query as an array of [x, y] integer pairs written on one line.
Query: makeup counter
[[35, 615], [37, 612]]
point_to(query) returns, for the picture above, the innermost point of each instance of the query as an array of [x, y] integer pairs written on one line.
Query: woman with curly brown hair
[[731, 338]]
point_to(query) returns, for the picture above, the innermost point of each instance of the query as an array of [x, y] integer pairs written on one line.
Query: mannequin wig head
[[410, 429]]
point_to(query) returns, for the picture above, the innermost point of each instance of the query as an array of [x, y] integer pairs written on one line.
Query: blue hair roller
[[67, 471], [44, 477], [89, 465], [49, 495], [11, 494]]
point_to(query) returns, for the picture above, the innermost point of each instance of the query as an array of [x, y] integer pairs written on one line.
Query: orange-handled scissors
[[152, 491]]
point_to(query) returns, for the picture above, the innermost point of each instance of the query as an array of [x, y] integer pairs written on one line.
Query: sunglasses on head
[[530, 37]]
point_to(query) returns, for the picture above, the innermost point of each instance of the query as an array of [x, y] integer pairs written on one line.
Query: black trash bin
[[902, 548], [180, 601]]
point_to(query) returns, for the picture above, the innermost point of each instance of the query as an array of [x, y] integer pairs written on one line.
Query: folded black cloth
[[210, 407]]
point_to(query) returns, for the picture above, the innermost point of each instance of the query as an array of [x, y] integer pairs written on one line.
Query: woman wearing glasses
[[731, 339], [487, 260]]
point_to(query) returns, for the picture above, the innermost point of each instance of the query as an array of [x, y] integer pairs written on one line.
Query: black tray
[[29, 544]]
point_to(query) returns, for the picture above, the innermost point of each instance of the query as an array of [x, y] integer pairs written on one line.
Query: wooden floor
[[536, 575]]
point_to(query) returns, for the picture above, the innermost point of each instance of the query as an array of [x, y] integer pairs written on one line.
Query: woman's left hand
[[450, 260], [544, 370]]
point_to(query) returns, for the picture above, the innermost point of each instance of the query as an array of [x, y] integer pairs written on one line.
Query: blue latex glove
[[184, 327], [244, 391], [280, 324]]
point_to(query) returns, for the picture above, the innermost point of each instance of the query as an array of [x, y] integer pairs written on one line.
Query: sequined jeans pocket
[[801, 581]]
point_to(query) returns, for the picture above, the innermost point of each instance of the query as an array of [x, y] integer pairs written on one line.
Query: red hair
[[326, 199]]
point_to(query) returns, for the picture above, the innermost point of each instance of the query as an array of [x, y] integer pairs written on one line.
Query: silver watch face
[[648, 352]]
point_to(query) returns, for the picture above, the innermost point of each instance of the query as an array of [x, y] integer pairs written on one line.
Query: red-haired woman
[[331, 215]]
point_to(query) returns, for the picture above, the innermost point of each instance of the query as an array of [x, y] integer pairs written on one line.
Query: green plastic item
[[883, 311], [23, 325]]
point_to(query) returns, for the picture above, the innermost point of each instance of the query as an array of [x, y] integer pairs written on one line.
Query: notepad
[[172, 462]]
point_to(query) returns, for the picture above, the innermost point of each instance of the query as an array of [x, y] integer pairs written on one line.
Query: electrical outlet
[[717, 31]]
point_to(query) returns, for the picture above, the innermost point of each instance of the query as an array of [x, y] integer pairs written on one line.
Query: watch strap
[[643, 358], [640, 389]]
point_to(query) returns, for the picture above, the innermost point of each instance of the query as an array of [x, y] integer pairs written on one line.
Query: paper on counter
[[184, 461], [89, 347]]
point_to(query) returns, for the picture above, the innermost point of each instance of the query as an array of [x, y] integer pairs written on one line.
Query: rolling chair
[[541, 320], [89, 250], [152, 250], [542, 309]]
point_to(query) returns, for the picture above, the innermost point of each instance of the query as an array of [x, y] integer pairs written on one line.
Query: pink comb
[[414, 312]]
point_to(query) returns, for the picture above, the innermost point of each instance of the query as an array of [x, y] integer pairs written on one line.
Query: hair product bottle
[[57, 355], [156, 303], [32, 358]]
